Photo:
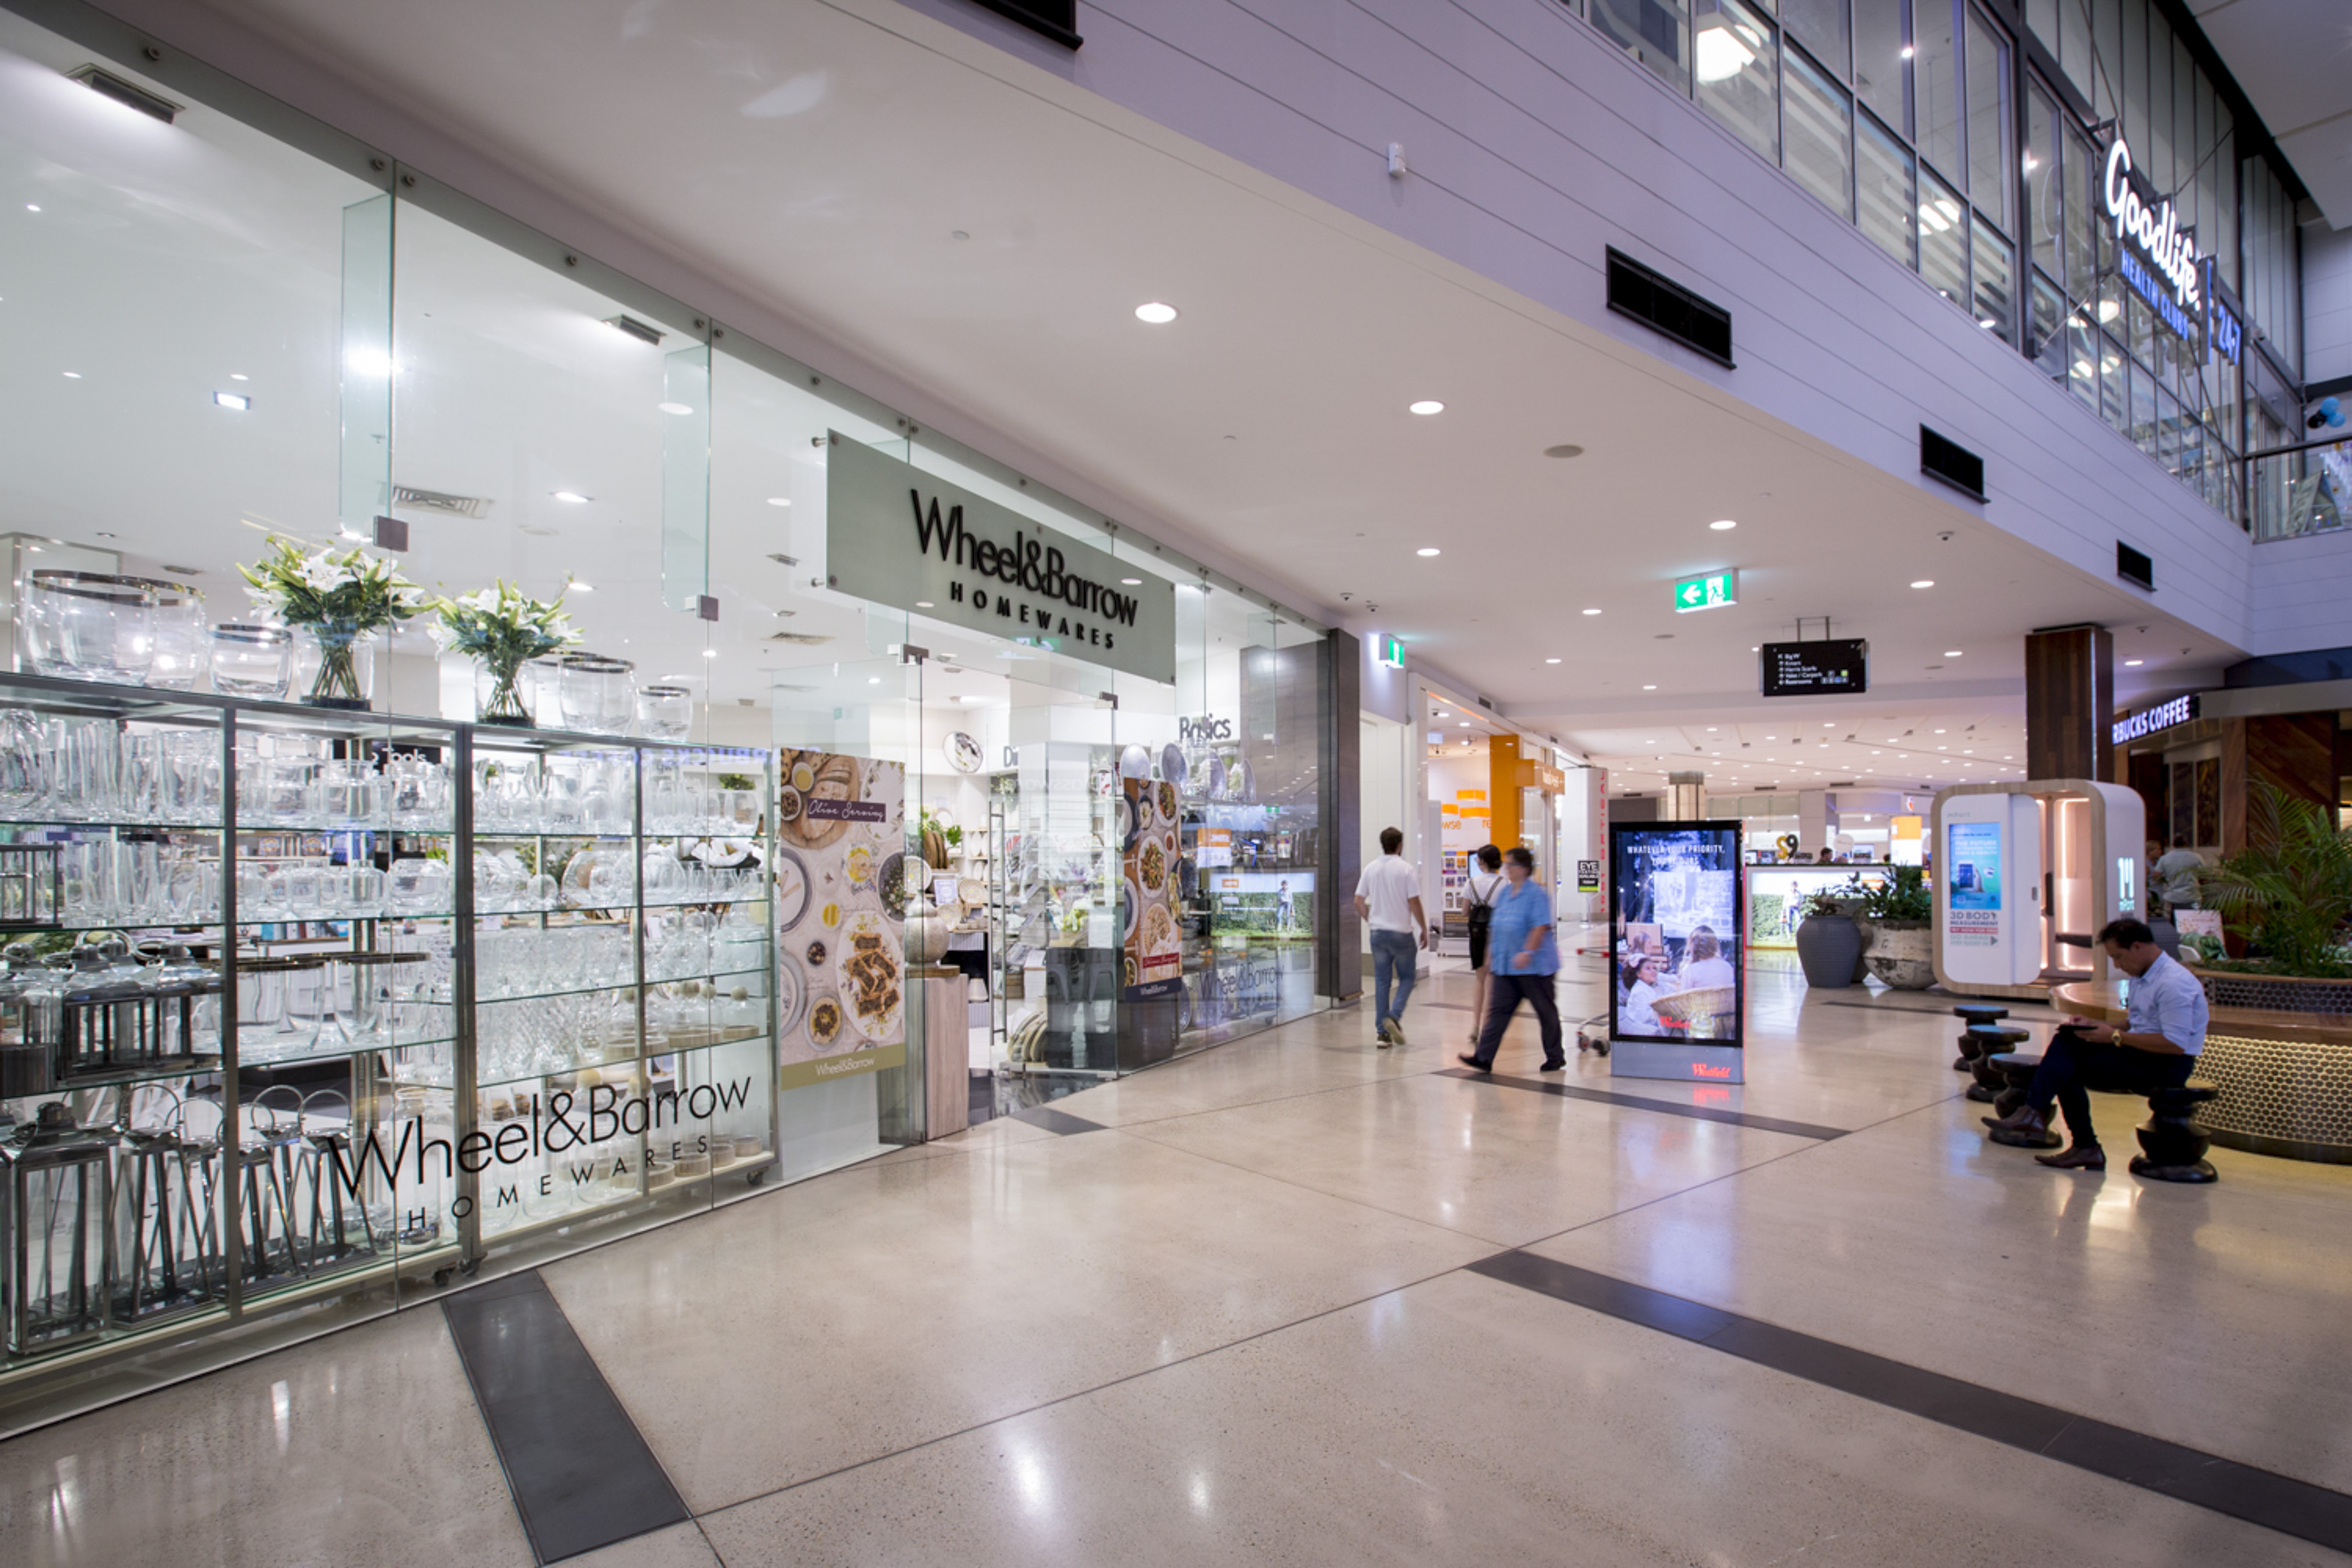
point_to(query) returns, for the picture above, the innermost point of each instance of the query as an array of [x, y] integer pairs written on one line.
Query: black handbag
[[1478, 915]]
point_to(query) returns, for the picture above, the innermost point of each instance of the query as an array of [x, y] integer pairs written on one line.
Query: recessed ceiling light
[[73, 375], [1649, 688], [30, 207], [780, 501], [710, 653], [1551, 661], [233, 376], [1724, 525], [1924, 583], [2134, 663], [237, 400], [573, 496], [1466, 724], [577, 587], [675, 407], [1426, 405], [1951, 653], [1131, 581], [1155, 313], [1939, 732], [1593, 612], [1565, 449], [1426, 550], [873, 680], [922, 603]]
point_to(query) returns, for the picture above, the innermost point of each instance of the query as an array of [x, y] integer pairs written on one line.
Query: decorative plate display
[[867, 970], [1130, 904], [1163, 794], [1216, 778], [824, 1020], [1172, 766], [1134, 762], [963, 752], [890, 882], [1127, 823], [792, 887], [971, 891], [792, 990], [859, 864], [1151, 864]]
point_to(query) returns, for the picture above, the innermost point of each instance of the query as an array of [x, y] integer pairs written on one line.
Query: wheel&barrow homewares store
[[492, 759]]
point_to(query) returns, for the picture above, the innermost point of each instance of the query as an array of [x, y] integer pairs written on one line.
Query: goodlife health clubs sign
[[2159, 258], [907, 539]]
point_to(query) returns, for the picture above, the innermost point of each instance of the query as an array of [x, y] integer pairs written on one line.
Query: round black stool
[[1992, 1040], [2016, 1068], [2174, 1145], [1970, 1017]]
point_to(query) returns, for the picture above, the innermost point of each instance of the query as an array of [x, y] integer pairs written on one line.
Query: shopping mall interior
[[703, 710]]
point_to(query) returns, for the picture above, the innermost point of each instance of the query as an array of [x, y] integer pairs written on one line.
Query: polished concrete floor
[[1225, 1311]]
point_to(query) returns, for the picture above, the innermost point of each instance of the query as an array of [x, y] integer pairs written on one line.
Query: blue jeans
[[1392, 960]]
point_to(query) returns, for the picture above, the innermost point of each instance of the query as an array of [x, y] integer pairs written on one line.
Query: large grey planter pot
[[1901, 954], [1827, 948]]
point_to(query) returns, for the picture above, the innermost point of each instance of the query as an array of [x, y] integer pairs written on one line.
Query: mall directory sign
[[1676, 946], [910, 540], [1831, 666]]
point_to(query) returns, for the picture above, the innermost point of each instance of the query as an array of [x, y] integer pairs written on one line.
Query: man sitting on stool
[[2157, 1048]]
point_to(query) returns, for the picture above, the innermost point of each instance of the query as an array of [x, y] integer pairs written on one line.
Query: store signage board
[[910, 540], [2149, 721], [1711, 592], [1832, 667], [2153, 254]]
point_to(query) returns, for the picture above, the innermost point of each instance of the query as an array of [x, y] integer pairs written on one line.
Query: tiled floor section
[[1224, 1311]]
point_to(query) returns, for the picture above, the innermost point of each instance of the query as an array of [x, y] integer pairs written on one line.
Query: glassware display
[[664, 713], [181, 644], [338, 660], [90, 625], [253, 661], [595, 694], [217, 1041]]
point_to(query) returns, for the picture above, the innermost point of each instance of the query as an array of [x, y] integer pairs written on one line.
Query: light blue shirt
[[2169, 1001], [1519, 910]]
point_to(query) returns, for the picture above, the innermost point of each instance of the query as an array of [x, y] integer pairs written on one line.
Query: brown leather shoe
[[2080, 1157], [2024, 1119]]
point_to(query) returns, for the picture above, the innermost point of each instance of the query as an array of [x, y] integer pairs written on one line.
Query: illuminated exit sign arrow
[[1706, 592]]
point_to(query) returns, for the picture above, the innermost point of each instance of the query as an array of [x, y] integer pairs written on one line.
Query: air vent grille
[[1941, 458], [440, 501], [106, 84], [2135, 567], [806, 640], [1663, 305]]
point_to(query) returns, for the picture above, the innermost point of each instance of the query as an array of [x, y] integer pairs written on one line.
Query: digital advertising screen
[[1677, 938], [1972, 868]]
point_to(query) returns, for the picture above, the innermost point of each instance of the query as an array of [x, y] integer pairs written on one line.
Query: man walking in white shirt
[[1388, 899]]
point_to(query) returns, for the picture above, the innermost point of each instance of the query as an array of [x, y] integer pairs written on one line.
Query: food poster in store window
[[841, 914], [1151, 959]]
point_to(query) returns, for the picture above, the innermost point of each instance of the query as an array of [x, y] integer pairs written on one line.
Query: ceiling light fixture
[[1951, 653], [1565, 449], [237, 400], [780, 501], [1649, 688], [1155, 314], [922, 603], [710, 653], [1551, 661], [1131, 581], [576, 587], [233, 376], [1724, 525], [73, 375], [1924, 583], [2134, 663], [675, 407], [1426, 405], [1593, 612], [1426, 550], [571, 497]]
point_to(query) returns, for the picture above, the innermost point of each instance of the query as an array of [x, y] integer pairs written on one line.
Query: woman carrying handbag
[[1485, 881]]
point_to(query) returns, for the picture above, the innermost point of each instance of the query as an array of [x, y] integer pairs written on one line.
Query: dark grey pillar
[[1338, 968]]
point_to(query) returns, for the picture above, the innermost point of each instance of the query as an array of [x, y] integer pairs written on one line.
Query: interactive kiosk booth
[[2025, 874]]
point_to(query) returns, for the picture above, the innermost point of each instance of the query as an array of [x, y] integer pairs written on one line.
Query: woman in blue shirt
[[1522, 958]]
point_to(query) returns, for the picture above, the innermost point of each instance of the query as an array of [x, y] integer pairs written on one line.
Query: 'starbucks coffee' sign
[[907, 539]]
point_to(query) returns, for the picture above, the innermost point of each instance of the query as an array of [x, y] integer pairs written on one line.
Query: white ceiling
[[2294, 59], [823, 158]]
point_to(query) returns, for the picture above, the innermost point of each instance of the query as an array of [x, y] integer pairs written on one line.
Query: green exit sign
[[1392, 651], [1706, 592]]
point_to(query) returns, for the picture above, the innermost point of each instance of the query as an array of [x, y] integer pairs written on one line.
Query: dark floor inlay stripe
[[1663, 1108], [581, 1473], [2291, 1507], [1053, 1120]]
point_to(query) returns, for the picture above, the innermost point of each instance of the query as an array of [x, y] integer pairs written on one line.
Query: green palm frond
[[2289, 892]]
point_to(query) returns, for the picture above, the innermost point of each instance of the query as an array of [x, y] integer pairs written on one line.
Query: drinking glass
[[84, 768], [181, 644], [89, 625], [24, 763], [664, 713], [250, 660], [190, 784]]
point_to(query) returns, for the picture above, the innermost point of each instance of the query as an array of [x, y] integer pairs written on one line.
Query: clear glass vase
[[340, 657], [498, 693]]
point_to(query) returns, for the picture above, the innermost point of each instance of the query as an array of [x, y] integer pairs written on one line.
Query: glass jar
[[595, 694], [181, 639], [89, 625], [338, 659], [664, 713], [251, 660]]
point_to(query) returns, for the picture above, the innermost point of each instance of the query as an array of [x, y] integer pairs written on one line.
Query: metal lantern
[[167, 1252], [52, 1232]]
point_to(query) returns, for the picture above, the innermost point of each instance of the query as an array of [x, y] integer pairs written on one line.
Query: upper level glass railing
[[2307, 488]]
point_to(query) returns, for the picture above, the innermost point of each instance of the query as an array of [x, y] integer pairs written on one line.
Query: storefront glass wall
[[216, 340]]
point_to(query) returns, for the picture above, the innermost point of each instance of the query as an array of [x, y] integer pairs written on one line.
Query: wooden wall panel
[[2070, 704]]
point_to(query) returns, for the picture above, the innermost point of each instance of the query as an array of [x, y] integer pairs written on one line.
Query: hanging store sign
[[910, 540], [2156, 255], [2149, 721]]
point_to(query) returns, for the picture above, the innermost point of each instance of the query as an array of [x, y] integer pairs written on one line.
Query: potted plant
[[2288, 896], [940, 838], [1828, 945], [501, 628], [1902, 917], [340, 602]]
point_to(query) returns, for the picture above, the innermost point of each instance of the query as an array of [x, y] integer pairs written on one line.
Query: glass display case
[[306, 1014]]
